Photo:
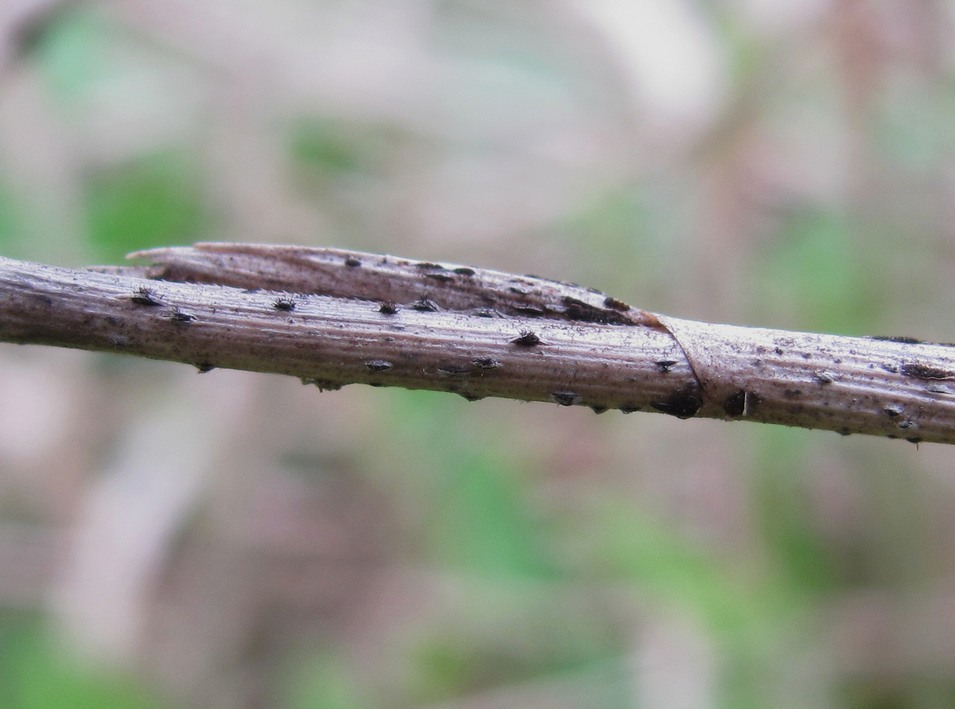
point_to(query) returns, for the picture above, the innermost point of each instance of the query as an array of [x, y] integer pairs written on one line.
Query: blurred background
[[238, 540]]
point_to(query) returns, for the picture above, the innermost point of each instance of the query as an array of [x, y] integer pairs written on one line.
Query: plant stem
[[474, 333]]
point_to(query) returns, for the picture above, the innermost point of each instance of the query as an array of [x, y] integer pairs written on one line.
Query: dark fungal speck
[[665, 365], [468, 396], [922, 371], [322, 384], [565, 398], [683, 403], [526, 338], [378, 365], [388, 308], [486, 363], [597, 409], [353, 262], [425, 305], [440, 277], [576, 309], [629, 408], [204, 367], [615, 304], [734, 404], [824, 377], [453, 370], [285, 304], [178, 316], [144, 296], [892, 411], [900, 338], [464, 271], [487, 313], [530, 311], [429, 266]]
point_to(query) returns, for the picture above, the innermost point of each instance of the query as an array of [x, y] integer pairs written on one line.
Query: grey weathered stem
[[385, 321]]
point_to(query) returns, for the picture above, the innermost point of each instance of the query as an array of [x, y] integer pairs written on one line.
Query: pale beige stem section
[[392, 322]]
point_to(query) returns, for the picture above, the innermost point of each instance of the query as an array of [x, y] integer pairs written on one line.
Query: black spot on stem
[[734, 403], [897, 338], [425, 305], [530, 311], [683, 403], [144, 296], [486, 363], [322, 384], [584, 312], [453, 370], [178, 316], [565, 398], [923, 371], [615, 304], [526, 338]]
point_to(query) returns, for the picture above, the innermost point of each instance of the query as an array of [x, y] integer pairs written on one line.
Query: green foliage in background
[[813, 274], [328, 149], [36, 674], [152, 201], [151, 198], [323, 680], [73, 51], [10, 223]]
